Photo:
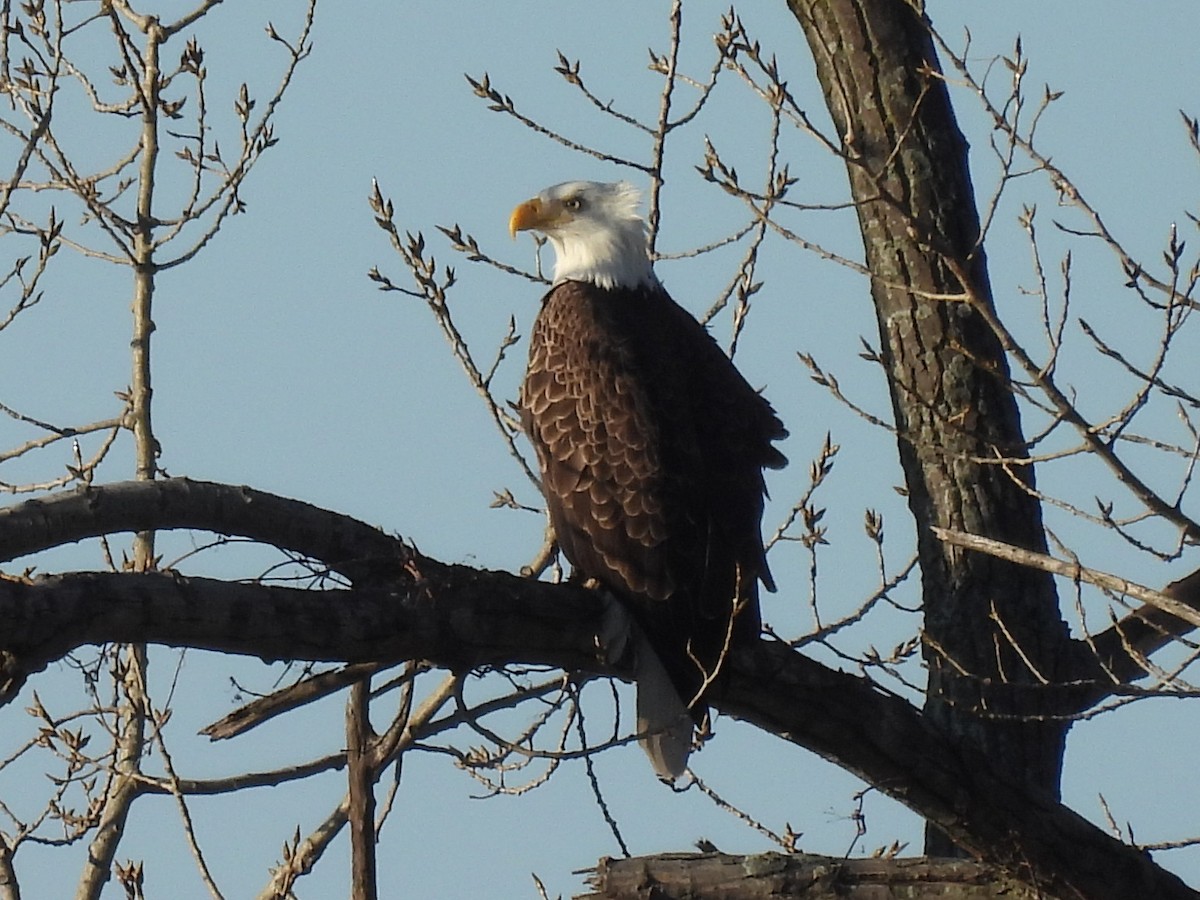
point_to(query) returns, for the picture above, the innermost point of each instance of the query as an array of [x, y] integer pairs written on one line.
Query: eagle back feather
[[651, 447]]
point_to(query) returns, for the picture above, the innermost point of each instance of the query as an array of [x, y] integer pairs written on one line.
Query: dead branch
[[720, 876]]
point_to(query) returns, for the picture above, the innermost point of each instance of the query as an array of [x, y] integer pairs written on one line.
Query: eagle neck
[[614, 261]]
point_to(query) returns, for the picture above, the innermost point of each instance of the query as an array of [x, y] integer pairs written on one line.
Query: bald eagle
[[651, 447]]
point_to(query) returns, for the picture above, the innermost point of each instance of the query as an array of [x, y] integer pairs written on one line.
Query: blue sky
[[279, 364]]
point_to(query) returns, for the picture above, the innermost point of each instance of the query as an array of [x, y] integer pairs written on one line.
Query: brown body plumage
[[651, 447]]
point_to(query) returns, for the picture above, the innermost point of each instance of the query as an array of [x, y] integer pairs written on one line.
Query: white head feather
[[597, 233]]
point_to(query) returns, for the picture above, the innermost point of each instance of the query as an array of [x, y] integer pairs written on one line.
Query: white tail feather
[[662, 717]]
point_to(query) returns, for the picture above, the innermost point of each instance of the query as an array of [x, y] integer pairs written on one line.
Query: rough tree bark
[[995, 637], [776, 876]]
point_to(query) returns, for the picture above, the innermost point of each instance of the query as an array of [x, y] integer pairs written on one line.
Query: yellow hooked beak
[[530, 214]]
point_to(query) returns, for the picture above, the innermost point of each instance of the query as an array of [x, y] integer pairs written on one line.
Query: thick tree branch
[[462, 618], [468, 618], [346, 545], [768, 875], [886, 742]]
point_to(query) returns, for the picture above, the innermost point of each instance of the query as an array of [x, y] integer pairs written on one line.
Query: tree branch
[[361, 794], [348, 546], [1119, 649], [800, 875], [462, 618]]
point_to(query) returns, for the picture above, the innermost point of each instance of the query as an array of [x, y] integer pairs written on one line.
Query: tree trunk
[[993, 630]]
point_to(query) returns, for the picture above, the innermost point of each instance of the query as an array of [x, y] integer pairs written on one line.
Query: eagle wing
[[598, 446], [651, 447]]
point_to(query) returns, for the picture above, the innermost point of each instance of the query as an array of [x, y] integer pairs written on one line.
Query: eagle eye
[[573, 203]]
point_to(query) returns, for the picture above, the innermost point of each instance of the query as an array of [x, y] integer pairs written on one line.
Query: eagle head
[[596, 231]]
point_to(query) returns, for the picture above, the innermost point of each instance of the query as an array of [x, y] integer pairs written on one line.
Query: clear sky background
[[278, 364]]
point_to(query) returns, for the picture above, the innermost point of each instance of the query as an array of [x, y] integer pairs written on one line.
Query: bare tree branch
[[1072, 569], [463, 618]]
